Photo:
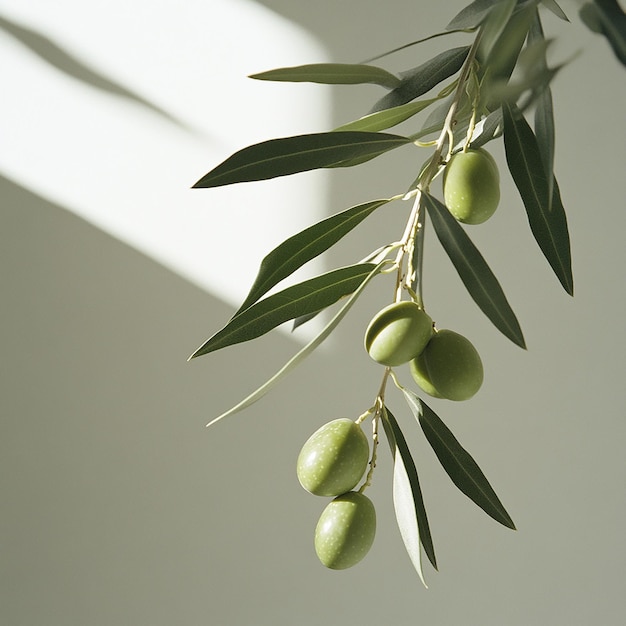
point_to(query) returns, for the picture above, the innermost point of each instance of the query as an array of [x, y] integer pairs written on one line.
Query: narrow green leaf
[[479, 280], [457, 462], [381, 120], [290, 155], [504, 52], [294, 252], [553, 6], [549, 226], [544, 112], [305, 352], [606, 17], [377, 256], [418, 81], [332, 74], [493, 26], [407, 494], [445, 33], [307, 297], [473, 15]]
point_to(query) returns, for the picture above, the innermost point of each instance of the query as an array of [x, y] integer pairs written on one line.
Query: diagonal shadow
[[57, 57]]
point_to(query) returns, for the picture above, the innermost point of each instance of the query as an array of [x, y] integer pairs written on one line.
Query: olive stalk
[[411, 245]]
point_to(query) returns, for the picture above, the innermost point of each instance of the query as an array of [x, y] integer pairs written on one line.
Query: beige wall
[[119, 508]]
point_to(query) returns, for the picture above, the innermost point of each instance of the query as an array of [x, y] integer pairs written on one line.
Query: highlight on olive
[[334, 458], [471, 186], [398, 333], [345, 531]]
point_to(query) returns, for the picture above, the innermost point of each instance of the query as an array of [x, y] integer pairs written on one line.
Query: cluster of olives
[[471, 186], [442, 362], [331, 463]]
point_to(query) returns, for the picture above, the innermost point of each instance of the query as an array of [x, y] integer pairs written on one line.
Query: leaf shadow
[[59, 58]]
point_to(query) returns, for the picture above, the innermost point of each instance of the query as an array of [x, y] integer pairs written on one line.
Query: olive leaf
[[375, 257], [544, 112], [294, 252], [418, 81], [493, 25], [258, 393], [548, 225], [553, 6], [332, 74], [457, 462], [504, 52], [487, 129], [444, 33], [606, 17], [301, 153], [473, 15], [306, 297], [476, 275], [381, 120], [407, 497]]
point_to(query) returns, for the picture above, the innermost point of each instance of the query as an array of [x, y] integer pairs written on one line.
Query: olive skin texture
[[333, 459], [345, 531], [449, 367], [471, 186], [398, 333]]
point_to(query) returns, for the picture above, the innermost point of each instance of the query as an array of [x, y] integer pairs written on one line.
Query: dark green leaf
[[377, 256], [544, 113], [473, 15], [418, 81], [306, 297], [332, 74], [294, 252], [607, 18], [553, 6], [290, 155], [549, 226], [387, 118], [406, 482], [479, 280], [457, 462]]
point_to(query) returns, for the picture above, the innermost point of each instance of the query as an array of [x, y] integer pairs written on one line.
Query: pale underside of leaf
[[457, 462], [387, 118], [301, 153], [473, 270], [413, 522], [305, 351]]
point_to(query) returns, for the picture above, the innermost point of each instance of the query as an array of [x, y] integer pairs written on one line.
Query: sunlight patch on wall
[[114, 109]]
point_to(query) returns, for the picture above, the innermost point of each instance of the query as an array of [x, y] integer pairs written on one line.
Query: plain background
[[120, 508]]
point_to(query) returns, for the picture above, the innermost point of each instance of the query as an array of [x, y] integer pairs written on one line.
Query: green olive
[[345, 531], [449, 367], [398, 333], [471, 186], [334, 458]]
